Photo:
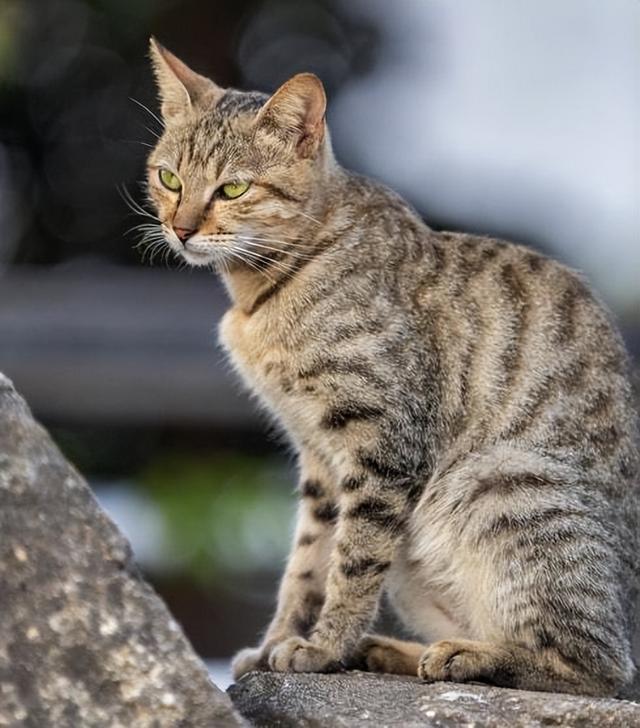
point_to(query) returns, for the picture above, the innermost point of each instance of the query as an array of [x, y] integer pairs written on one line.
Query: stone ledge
[[364, 700], [84, 641]]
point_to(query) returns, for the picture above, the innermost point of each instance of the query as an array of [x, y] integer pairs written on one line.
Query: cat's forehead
[[221, 135]]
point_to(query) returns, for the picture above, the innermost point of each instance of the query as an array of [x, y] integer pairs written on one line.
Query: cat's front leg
[[374, 509], [302, 589]]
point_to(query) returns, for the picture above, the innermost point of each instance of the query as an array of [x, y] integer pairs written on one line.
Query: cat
[[460, 407]]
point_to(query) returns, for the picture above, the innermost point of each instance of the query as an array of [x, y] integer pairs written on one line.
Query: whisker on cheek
[[279, 241], [278, 265], [134, 206], [309, 217], [247, 261], [296, 254]]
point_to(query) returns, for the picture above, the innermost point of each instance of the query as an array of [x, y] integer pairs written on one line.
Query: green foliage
[[224, 514]]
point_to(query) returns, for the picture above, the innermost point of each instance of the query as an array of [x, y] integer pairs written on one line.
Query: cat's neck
[[248, 287]]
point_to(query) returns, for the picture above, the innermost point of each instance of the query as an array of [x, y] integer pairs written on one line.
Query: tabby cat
[[460, 407]]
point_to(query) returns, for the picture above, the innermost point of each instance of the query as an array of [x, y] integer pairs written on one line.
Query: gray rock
[[362, 700], [84, 641]]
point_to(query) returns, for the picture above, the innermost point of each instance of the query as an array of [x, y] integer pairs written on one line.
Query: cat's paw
[[458, 661], [375, 653], [248, 660], [297, 654]]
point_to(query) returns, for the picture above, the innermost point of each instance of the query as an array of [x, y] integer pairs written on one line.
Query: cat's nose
[[183, 233]]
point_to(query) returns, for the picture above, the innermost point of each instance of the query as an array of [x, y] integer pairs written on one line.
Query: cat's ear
[[181, 89], [296, 112]]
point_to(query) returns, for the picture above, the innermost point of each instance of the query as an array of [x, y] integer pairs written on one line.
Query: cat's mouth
[[194, 254], [254, 250]]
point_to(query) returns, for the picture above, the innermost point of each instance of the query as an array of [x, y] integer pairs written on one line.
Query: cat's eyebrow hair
[[161, 163], [239, 175], [222, 173]]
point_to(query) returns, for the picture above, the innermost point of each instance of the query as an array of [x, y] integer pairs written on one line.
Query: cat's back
[[529, 350]]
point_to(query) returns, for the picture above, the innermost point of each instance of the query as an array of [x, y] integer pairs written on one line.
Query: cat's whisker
[[293, 253], [146, 252], [281, 239], [147, 245], [153, 249], [148, 110], [279, 236], [247, 261], [261, 256], [136, 141], [149, 236], [134, 206], [153, 234], [309, 217], [278, 265], [256, 242], [145, 227], [152, 131], [287, 243], [292, 239], [166, 258]]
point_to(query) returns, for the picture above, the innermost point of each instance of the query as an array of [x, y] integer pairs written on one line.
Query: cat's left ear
[[296, 112], [181, 89]]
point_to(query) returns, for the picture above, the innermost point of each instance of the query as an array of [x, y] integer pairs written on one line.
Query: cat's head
[[234, 174]]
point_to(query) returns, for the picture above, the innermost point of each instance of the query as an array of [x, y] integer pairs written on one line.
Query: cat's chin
[[198, 260]]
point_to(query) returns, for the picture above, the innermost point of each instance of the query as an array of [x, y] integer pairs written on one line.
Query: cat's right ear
[[296, 113], [181, 89]]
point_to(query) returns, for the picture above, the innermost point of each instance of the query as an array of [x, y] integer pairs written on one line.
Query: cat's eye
[[234, 189], [170, 180]]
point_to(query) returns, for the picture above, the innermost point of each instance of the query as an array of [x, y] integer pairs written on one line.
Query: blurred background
[[516, 119]]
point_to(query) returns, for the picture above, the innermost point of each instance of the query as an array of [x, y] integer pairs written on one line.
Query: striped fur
[[460, 407]]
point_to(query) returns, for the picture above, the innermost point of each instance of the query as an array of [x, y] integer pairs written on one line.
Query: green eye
[[170, 180], [234, 189]]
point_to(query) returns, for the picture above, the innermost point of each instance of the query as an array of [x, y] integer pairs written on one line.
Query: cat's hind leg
[[537, 569], [507, 665], [462, 660], [540, 571]]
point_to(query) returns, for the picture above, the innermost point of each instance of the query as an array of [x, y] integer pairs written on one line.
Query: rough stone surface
[[84, 641], [362, 700]]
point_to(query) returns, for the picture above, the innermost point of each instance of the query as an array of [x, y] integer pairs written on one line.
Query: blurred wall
[[518, 118]]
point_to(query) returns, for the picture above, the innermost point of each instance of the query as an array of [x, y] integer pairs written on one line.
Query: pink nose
[[183, 233]]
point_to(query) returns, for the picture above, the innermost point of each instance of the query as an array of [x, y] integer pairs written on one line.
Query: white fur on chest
[[269, 368]]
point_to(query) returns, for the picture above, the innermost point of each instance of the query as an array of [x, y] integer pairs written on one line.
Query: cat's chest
[[270, 366]]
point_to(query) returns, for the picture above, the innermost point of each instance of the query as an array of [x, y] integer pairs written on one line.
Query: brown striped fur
[[459, 405]]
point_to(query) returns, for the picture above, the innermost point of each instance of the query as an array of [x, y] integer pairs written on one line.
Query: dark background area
[[520, 120]]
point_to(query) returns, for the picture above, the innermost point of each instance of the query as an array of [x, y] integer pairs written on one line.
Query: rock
[[84, 641], [364, 700]]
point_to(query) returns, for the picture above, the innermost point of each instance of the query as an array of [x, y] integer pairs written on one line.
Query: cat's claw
[[297, 654]]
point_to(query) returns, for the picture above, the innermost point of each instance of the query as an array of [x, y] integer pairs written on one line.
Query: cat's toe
[[248, 660], [442, 660], [297, 654], [457, 661], [373, 655]]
